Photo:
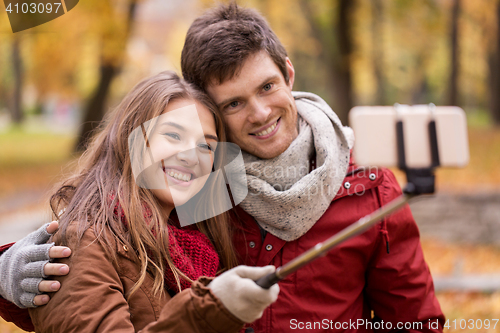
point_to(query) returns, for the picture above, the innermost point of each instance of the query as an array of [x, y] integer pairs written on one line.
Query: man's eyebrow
[[213, 137], [234, 98]]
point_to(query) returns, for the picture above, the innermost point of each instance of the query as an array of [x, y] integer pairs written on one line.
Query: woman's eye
[[267, 87], [173, 135]]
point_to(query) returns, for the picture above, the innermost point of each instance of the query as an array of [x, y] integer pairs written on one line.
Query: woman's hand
[[239, 293], [25, 265]]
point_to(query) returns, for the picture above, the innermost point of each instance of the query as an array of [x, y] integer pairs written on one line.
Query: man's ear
[[291, 73]]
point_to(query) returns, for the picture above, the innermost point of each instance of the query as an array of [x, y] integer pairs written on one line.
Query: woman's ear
[[291, 72]]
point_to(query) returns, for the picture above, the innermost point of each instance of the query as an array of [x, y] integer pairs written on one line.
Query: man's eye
[[267, 87], [173, 135], [206, 146], [233, 104]]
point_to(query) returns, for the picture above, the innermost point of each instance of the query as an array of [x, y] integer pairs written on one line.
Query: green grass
[[478, 118], [32, 160], [22, 148]]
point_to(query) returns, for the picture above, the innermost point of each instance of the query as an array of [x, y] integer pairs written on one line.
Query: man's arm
[[52, 269], [399, 284], [23, 267]]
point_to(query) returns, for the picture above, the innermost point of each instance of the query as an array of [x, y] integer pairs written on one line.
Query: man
[[303, 189]]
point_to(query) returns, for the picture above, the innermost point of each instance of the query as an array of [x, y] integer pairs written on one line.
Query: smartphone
[[376, 139]]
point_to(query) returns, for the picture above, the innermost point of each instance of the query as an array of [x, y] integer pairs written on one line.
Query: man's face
[[258, 107]]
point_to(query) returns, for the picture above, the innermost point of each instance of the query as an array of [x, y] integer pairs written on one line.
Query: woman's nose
[[189, 157]]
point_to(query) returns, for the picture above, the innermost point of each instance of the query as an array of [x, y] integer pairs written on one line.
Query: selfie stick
[[419, 181], [321, 248]]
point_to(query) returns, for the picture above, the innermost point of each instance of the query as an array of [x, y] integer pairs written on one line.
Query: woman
[[155, 152]]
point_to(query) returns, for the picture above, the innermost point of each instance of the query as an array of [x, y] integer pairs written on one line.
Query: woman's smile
[[177, 175]]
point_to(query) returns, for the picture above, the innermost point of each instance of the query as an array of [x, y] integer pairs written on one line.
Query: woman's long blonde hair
[[104, 178]]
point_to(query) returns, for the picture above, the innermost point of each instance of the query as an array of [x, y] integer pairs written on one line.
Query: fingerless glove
[[21, 268]]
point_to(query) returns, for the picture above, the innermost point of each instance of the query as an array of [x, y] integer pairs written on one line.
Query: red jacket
[[10, 312], [353, 281]]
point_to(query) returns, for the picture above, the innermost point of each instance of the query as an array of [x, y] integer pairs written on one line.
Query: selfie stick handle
[[321, 248]]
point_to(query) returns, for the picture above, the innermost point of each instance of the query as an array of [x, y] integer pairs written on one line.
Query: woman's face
[[182, 145]]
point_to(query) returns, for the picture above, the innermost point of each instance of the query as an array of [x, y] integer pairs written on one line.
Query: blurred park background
[[57, 81]]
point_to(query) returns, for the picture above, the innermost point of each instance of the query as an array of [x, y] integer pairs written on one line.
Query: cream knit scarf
[[284, 197]]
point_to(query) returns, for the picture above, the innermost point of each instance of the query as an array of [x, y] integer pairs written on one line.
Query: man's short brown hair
[[219, 41]]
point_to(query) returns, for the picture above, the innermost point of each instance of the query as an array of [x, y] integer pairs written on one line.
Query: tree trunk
[[495, 76], [16, 110], [94, 111], [454, 50], [342, 75], [336, 41], [378, 50]]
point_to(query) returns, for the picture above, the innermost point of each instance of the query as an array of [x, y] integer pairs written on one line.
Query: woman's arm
[[91, 299]]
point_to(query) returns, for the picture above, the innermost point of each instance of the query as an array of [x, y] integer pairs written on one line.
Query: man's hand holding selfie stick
[[240, 295]]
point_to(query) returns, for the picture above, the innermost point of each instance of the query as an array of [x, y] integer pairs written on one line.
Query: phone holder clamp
[[419, 180]]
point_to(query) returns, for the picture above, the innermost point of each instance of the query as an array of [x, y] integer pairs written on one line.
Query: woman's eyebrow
[[208, 136], [173, 125]]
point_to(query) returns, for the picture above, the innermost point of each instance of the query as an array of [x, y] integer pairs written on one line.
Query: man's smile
[[267, 131]]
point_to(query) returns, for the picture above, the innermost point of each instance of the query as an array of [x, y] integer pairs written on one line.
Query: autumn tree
[[16, 109], [335, 37], [62, 57], [378, 14], [113, 39], [495, 75], [454, 54]]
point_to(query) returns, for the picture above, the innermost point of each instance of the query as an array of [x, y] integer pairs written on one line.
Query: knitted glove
[[21, 268], [239, 293]]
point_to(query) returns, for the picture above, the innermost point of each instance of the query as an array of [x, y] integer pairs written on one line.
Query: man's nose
[[188, 157], [259, 111]]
